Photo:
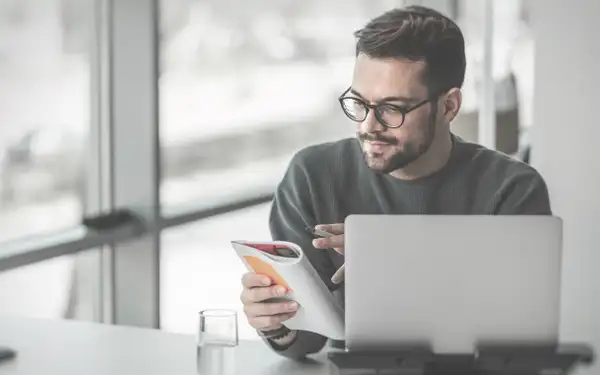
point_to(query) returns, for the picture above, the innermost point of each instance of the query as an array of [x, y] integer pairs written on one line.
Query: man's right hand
[[335, 242], [261, 315]]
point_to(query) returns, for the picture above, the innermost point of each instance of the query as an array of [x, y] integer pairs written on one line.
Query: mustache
[[376, 137]]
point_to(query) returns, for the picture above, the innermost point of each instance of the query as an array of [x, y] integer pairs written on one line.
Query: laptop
[[451, 283]]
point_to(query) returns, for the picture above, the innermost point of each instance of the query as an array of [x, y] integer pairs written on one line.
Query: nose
[[371, 124]]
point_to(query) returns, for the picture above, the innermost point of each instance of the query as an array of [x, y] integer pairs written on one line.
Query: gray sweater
[[327, 182]]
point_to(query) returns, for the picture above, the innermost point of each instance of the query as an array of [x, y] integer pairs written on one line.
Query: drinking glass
[[217, 339]]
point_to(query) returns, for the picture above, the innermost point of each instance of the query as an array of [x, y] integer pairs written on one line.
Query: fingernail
[[266, 281], [292, 306], [317, 243], [280, 291]]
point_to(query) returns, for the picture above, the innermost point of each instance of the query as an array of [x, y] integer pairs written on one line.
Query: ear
[[451, 102]]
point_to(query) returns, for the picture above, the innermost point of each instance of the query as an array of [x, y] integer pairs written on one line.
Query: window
[[511, 78], [45, 110], [62, 287], [40, 290], [244, 86], [201, 271]]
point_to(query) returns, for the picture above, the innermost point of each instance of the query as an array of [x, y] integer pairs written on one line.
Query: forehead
[[379, 78]]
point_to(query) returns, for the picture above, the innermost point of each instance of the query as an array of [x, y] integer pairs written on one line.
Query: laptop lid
[[451, 281]]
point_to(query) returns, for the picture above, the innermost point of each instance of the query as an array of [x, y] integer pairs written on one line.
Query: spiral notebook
[[286, 265]]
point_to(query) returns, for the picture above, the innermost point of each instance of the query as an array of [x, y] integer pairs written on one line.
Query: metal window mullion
[[135, 157], [86, 300], [487, 108], [103, 142], [36, 249]]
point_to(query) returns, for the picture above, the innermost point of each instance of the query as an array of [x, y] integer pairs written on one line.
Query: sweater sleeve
[[291, 212], [525, 194]]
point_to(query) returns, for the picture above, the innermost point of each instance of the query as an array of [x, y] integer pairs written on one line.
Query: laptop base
[[487, 360]]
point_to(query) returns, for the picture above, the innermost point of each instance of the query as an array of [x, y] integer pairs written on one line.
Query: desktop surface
[[71, 347]]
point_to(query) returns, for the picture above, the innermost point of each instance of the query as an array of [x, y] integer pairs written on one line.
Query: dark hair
[[417, 33]]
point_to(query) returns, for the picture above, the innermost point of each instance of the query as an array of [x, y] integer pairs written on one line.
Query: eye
[[392, 109]]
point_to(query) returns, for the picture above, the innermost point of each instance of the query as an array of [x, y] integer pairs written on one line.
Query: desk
[[75, 348]]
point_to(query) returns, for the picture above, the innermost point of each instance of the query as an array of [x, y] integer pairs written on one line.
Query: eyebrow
[[387, 98]]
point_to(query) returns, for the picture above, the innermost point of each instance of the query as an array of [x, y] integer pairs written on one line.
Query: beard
[[411, 151]]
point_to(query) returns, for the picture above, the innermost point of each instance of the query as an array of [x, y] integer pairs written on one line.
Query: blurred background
[[242, 86], [234, 58]]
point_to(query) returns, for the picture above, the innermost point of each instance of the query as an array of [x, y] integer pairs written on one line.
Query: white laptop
[[451, 282]]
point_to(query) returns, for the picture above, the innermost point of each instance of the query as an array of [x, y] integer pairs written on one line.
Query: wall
[[565, 142]]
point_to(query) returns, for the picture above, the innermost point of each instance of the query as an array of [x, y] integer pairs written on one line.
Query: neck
[[430, 162]]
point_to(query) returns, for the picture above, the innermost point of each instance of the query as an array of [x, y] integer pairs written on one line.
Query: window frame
[[125, 168]]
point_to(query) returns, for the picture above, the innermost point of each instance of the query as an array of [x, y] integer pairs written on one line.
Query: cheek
[[415, 127], [403, 135]]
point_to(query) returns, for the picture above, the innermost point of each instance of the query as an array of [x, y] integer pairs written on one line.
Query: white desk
[[75, 348]]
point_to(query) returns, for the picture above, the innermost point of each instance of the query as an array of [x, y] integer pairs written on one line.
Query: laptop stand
[[487, 360]]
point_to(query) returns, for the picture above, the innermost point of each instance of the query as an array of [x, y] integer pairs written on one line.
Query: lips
[[375, 146]]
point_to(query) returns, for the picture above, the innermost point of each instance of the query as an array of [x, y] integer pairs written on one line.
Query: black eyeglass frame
[[375, 108]]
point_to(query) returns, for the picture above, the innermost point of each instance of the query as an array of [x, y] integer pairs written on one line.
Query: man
[[405, 92]]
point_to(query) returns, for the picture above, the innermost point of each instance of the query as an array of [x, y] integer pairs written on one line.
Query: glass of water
[[217, 340]]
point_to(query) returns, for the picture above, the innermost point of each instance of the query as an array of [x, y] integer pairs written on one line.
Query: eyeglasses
[[389, 115]]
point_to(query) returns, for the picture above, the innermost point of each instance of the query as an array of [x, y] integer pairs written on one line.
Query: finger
[[338, 276], [329, 242], [251, 280], [270, 308], [259, 294], [266, 322], [337, 228]]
